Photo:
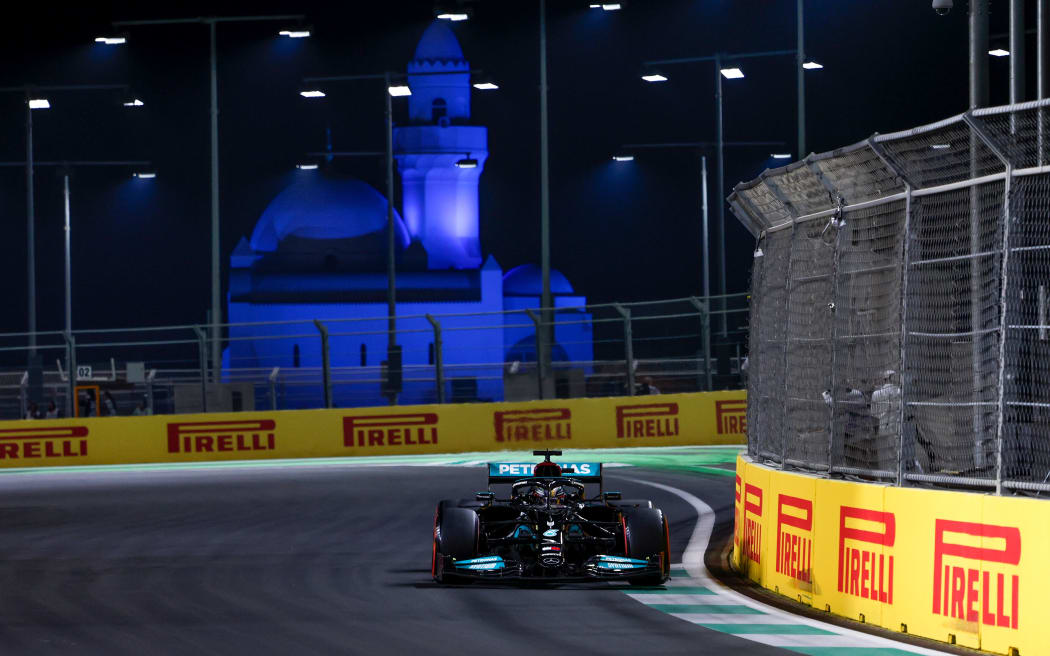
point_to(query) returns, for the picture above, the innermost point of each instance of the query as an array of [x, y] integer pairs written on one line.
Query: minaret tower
[[439, 199]]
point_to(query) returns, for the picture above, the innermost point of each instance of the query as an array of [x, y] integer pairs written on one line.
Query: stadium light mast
[[728, 67], [35, 100], [216, 277]]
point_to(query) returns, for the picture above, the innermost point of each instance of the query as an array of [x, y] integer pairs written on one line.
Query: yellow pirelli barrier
[[659, 420], [961, 567]]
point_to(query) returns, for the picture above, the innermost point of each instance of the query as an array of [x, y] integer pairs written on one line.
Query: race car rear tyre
[[455, 534], [646, 535]]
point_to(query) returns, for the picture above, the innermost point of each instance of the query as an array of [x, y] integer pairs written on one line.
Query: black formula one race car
[[549, 531]]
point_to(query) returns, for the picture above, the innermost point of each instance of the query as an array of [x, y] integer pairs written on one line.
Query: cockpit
[[547, 494]]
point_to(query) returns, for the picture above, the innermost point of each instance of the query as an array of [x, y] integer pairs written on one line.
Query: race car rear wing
[[508, 472]]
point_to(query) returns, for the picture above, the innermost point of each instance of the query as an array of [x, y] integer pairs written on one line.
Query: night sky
[[619, 231]]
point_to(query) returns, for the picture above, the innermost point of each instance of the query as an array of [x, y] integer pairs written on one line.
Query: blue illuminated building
[[319, 252]]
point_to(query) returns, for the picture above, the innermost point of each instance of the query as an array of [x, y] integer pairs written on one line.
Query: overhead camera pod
[[943, 7]]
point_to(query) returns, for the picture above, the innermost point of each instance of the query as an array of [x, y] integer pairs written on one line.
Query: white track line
[[693, 563]]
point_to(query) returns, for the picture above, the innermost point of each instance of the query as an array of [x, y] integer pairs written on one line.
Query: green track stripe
[[681, 573], [695, 459], [779, 629], [850, 651], [732, 609], [675, 590], [715, 470]]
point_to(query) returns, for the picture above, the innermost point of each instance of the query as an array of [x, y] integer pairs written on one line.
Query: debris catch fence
[[899, 308]]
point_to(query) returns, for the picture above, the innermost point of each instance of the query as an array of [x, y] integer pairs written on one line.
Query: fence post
[[23, 395], [832, 372], [906, 264], [539, 347], [71, 365], [774, 189], [326, 363], [884, 156], [705, 336], [439, 369], [979, 131], [273, 387], [628, 346], [787, 347], [202, 353], [149, 390]]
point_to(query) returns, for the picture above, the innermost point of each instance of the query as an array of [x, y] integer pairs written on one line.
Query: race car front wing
[[596, 567]]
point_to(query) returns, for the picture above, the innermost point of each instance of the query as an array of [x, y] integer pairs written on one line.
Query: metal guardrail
[[628, 348]]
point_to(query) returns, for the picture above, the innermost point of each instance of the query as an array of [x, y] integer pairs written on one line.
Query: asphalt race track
[[299, 560]]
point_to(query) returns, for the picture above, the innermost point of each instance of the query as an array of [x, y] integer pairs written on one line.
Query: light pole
[[800, 73], [546, 327], [724, 67], [35, 100], [391, 90], [68, 275], [623, 155], [395, 85], [216, 278]]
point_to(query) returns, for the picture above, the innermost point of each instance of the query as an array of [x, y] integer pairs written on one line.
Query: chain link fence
[[899, 325], [666, 346]]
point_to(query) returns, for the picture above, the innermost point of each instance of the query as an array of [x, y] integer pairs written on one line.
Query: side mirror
[[611, 496], [485, 496]]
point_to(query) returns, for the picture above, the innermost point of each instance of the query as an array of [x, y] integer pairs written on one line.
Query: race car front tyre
[[646, 535], [456, 535]]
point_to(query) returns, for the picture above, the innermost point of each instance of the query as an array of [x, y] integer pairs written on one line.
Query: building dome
[[438, 44], [527, 280], [324, 208]]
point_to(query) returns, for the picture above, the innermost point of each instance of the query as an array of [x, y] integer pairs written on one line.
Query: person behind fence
[[109, 406], [85, 404], [885, 405], [52, 410], [645, 387], [32, 411], [141, 409], [852, 412]]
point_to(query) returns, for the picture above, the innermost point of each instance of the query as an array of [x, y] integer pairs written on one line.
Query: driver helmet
[[562, 495], [533, 495]]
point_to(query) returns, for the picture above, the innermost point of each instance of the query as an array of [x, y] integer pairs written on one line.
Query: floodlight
[[999, 52], [612, 6], [452, 13], [294, 34], [306, 166], [940, 146], [623, 158], [133, 101], [467, 162], [145, 175], [781, 155], [111, 40], [39, 103], [654, 76], [732, 73], [485, 85], [812, 66], [312, 93], [399, 90]]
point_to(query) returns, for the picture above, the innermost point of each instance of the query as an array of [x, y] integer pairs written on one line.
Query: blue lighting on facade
[[318, 251]]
